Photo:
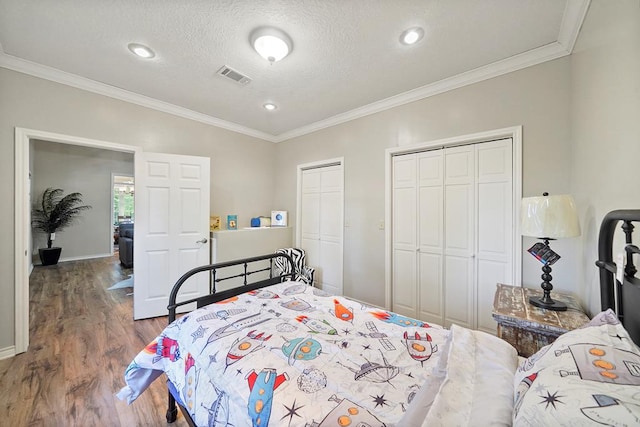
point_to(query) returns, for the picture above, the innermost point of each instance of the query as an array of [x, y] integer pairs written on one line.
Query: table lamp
[[548, 218]]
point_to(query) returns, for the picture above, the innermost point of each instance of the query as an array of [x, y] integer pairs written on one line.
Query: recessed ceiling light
[[141, 50], [269, 106], [271, 43], [412, 36]]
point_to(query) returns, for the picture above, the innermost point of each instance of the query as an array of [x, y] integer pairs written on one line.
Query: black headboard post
[[623, 297]]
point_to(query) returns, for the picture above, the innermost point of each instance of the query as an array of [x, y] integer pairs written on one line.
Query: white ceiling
[[346, 60]]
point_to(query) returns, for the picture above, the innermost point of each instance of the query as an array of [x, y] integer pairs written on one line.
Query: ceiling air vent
[[232, 74]]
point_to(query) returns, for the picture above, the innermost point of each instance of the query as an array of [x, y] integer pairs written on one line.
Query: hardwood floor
[[82, 337]]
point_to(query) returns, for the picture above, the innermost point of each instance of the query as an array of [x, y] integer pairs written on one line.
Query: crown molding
[[495, 69], [572, 20], [48, 73]]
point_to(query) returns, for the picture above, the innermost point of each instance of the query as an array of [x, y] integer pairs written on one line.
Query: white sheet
[[471, 386]]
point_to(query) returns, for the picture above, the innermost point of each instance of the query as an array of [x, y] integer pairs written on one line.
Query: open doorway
[[122, 204], [22, 231], [123, 198]]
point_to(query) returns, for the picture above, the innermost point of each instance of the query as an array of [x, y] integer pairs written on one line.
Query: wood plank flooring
[[82, 337]]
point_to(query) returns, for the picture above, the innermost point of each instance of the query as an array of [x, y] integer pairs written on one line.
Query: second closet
[[452, 235]]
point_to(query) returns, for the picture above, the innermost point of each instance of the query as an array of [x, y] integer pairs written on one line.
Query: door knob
[[203, 240]]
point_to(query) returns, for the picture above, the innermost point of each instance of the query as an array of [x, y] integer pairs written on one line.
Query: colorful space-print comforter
[[291, 355]]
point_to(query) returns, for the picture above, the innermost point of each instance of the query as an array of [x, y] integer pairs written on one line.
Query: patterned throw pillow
[[589, 376]]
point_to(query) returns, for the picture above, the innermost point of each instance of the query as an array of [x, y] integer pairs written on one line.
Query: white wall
[[538, 98], [87, 171], [581, 124], [605, 124], [242, 174]]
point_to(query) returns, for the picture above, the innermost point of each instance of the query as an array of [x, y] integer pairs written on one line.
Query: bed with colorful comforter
[[291, 355]]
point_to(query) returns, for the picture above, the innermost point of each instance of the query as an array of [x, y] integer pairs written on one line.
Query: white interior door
[[321, 224], [171, 230]]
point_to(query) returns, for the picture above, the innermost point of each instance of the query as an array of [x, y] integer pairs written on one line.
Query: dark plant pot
[[49, 256]]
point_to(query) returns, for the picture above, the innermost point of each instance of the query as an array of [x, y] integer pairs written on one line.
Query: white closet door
[[321, 225], [494, 252], [430, 225], [459, 208], [310, 215], [404, 233], [331, 229]]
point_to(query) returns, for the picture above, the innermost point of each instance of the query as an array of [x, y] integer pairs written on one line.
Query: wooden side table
[[529, 328]]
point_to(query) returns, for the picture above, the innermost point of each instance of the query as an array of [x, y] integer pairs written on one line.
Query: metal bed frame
[[621, 296], [251, 266]]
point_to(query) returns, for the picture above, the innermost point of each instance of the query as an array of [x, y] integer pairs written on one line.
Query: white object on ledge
[[278, 218]]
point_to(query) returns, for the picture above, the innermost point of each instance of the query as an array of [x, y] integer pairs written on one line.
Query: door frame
[[515, 133], [22, 216]]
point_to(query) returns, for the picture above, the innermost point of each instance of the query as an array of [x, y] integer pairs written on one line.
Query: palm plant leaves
[[55, 212]]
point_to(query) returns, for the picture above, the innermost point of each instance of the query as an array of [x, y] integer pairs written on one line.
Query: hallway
[[82, 337]]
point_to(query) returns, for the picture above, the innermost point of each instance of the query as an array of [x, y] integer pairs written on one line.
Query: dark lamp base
[[548, 304]]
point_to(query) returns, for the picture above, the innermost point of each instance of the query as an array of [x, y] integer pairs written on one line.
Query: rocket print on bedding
[[291, 355]]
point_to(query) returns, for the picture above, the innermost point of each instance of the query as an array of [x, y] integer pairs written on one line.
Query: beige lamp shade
[[552, 217]]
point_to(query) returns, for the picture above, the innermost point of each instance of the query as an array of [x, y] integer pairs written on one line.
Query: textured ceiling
[[346, 53]]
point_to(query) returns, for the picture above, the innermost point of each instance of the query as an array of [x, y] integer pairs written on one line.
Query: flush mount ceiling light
[[269, 106], [141, 50], [411, 36], [271, 43]]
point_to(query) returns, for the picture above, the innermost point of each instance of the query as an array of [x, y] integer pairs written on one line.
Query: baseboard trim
[[7, 352], [79, 258], [82, 258]]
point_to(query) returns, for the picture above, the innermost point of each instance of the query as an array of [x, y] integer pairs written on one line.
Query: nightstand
[[530, 328]]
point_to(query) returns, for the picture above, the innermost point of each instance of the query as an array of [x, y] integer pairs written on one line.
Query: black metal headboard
[[250, 266], [623, 297]]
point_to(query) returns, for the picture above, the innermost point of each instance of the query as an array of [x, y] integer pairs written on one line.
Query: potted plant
[[54, 212]]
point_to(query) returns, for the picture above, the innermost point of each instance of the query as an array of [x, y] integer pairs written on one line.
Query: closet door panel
[[458, 305], [331, 255], [331, 179], [494, 216], [495, 200], [330, 222], [459, 165], [310, 207], [321, 224], [312, 249], [459, 232], [404, 236], [404, 203], [430, 196], [430, 172], [495, 242], [404, 171], [431, 220], [404, 220], [430, 288], [404, 283], [459, 219]]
